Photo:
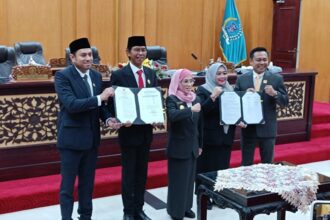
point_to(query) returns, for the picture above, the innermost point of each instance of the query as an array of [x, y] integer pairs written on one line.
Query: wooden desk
[[28, 117]]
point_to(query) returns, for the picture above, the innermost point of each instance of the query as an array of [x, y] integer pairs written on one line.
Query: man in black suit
[[272, 91], [80, 96], [134, 140]]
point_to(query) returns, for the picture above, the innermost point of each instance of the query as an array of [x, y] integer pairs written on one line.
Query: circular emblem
[[181, 107], [32, 70]]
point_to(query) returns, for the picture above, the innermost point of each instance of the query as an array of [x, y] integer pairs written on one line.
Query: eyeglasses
[[187, 81]]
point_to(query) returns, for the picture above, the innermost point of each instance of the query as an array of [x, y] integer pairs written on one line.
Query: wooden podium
[[29, 116]]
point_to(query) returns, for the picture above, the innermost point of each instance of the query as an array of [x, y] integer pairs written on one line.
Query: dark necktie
[[140, 79], [87, 85]]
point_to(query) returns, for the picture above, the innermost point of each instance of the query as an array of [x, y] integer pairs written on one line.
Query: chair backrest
[[7, 61], [25, 50], [157, 53], [95, 52]]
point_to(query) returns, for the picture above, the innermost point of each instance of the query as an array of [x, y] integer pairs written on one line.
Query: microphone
[[201, 73], [194, 56]]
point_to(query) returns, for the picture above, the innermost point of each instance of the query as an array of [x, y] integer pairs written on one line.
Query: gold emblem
[[32, 70]]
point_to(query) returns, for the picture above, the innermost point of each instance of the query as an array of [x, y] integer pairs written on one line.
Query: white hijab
[[210, 83]]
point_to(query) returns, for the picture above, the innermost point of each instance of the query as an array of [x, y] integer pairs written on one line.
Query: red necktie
[[140, 80]]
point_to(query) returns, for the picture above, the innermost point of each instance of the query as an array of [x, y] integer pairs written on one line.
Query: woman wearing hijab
[[184, 143], [218, 139]]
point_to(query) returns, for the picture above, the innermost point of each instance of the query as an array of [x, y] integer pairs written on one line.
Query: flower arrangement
[[159, 68]]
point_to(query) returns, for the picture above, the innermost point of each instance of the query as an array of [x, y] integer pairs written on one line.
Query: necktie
[[87, 85], [257, 83], [140, 79]]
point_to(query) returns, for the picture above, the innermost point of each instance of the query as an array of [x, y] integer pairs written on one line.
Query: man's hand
[[127, 124], [108, 92], [113, 123], [251, 90], [158, 125], [196, 107], [269, 90]]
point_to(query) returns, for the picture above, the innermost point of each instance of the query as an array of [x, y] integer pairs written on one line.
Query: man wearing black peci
[[81, 100], [134, 140]]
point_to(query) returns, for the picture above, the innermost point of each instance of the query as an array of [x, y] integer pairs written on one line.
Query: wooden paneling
[[183, 27], [68, 26], [170, 23], [83, 18], [181, 31], [151, 8], [35, 20], [103, 29], [3, 22], [314, 44], [125, 27]]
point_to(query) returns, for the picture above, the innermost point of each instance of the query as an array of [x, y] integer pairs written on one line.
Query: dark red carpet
[[35, 192]]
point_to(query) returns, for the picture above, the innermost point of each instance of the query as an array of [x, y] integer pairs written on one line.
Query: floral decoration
[[159, 68]]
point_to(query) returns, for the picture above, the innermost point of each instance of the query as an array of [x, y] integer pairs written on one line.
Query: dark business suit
[[78, 136], [217, 144], [262, 134], [135, 143], [185, 136]]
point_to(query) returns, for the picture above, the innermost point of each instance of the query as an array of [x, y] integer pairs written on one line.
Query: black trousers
[[82, 164], [266, 146], [134, 176]]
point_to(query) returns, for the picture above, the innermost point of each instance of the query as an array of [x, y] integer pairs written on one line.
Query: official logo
[[232, 30]]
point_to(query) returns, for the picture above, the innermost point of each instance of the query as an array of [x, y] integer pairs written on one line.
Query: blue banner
[[232, 41]]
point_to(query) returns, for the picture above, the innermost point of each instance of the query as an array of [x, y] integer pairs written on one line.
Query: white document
[[150, 105], [125, 105], [230, 108], [252, 108]]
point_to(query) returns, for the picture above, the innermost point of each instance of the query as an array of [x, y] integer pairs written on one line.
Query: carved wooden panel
[[295, 110], [28, 119], [31, 119]]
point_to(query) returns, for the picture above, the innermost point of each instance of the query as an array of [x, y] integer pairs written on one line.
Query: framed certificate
[[240, 106], [139, 106]]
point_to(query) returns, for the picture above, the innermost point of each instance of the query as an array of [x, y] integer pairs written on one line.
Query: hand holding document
[[236, 107]]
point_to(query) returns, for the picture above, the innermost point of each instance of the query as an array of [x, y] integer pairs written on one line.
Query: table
[[248, 203]]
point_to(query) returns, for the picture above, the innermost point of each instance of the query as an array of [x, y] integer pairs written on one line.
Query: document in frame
[[252, 108], [230, 108], [151, 105], [125, 105]]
